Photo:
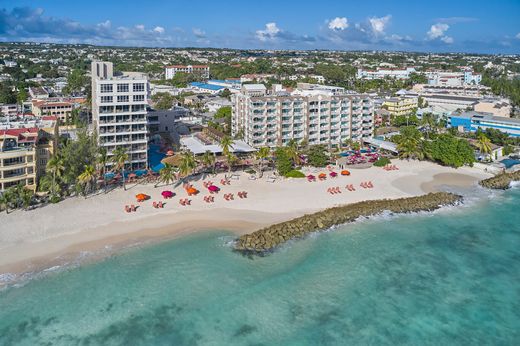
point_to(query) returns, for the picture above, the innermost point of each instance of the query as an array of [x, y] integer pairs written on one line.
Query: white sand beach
[[41, 237]]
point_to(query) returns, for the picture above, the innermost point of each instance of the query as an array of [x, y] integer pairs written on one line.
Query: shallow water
[[450, 277]]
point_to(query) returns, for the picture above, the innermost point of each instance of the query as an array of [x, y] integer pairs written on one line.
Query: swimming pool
[[154, 157], [510, 162]]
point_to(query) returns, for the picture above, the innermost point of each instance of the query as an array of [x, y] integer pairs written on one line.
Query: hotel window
[[106, 99], [122, 88], [138, 87], [122, 98], [106, 88], [138, 98]]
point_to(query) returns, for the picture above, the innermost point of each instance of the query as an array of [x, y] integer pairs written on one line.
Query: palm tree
[[292, 152], [348, 143], [408, 148], [483, 144], [6, 198], [226, 143], [56, 167], [231, 161], [187, 164], [26, 197], [166, 174], [428, 122], [86, 178], [208, 160], [102, 160], [261, 155], [119, 159]]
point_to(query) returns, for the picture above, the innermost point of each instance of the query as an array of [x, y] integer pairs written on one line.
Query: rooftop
[[197, 147], [206, 86]]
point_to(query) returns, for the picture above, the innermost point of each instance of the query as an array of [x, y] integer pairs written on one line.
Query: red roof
[[49, 117], [19, 132]]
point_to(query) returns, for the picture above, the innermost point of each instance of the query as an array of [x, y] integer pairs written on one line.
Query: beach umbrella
[[213, 188], [167, 194], [345, 172], [333, 174], [322, 175], [132, 175], [141, 197], [310, 176]]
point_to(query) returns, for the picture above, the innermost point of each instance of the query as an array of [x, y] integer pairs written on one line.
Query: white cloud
[[140, 27], [447, 39], [199, 33], [338, 23], [159, 29], [437, 30], [379, 24], [518, 36], [270, 32], [105, 25]]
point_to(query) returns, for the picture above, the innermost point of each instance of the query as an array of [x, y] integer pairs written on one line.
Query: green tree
[[76, 82], [187, 164], [208, 160], [163, 101], [119, 158], [226, 143], [166, 174], [283, 161], [483, 144], [224, 113], [86, 179], [56, 167], [7, 94], [409, 143], [6, 198], [448, 150], [292, 152], [317, 156], [102, 160], [262, 154]]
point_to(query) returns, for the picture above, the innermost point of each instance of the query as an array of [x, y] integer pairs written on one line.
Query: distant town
[[133, 105]]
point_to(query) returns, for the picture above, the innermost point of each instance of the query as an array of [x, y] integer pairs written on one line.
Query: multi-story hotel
[[201, 70], [471, 121], [25, 148], [119, 112], [401, 105], [382, 73], [461, 78], [316, 113], [60, 109]]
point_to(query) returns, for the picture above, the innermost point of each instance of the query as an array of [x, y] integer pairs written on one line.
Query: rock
[[267, 239]]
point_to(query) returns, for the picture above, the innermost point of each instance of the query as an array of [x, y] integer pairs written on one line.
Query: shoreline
[[46, 246]]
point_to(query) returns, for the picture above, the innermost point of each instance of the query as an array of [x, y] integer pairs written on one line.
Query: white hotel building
[[316, 113], [202, 70], [119, 112]]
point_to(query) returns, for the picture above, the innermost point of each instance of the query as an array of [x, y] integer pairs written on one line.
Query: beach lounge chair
[[252, 177], [271, 179], [235, 176]]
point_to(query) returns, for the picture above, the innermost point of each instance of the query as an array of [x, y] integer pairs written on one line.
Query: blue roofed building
[[470, 121], [206, 88]]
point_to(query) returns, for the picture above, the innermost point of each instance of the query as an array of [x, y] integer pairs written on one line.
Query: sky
[[477, 26]]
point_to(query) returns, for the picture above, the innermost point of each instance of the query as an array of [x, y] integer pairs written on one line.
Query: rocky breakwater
[[265, 240], [501, 181]]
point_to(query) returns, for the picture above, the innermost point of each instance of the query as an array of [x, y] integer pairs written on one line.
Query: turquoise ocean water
[[451, 277]]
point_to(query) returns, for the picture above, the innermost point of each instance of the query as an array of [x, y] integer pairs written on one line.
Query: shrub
[[295, 174], [382, 161], [282, 161]]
